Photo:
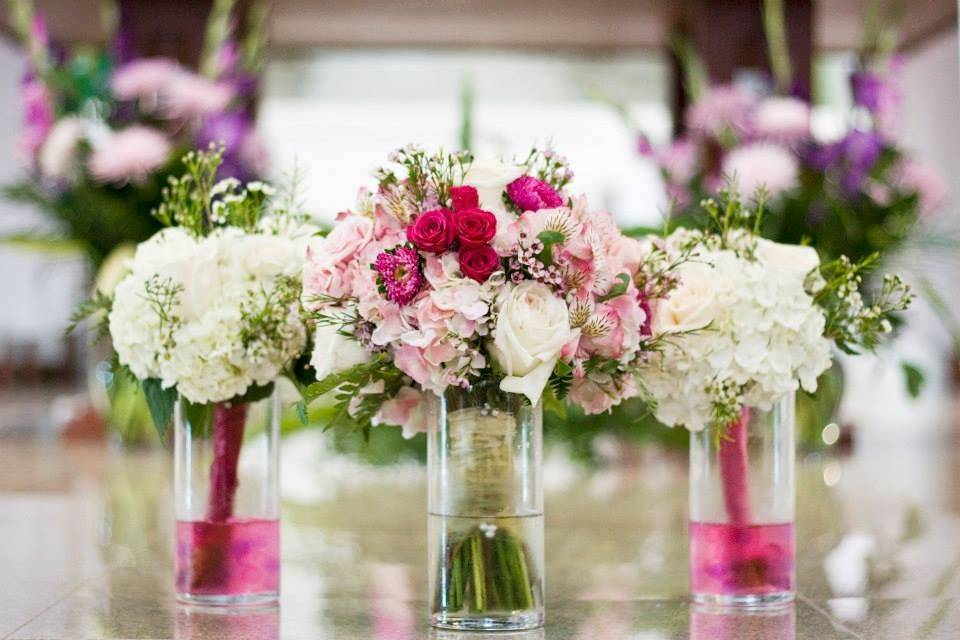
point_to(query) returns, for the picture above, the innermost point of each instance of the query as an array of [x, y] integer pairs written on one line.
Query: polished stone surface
[[86, 550]]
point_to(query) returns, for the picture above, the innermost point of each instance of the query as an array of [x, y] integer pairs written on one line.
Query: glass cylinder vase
[[742, 496], [485, 510], [227, 502]]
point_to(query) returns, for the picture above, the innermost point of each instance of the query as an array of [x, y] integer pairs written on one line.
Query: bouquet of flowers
[[489, 278], [854, 194], [207, 319], [210, 309], [104, 130], [752, 321], [455, 271]]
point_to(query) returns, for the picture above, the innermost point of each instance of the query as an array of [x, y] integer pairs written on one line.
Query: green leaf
[[255, 393], [160, 401], [914, 378], [618, 289], [200, 417], [549, 238]]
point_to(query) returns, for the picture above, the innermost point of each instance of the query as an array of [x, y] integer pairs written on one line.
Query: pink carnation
[[761, 164], [143, 79], [531, 194], [400, 274], [723, 109], [783, 119], [678, 160], [130, 155], [189, 95]]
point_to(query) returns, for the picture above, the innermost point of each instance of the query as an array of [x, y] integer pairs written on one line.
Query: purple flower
[[400, 275], [37, 115], [234, 130], [860, 149], [531, 194]]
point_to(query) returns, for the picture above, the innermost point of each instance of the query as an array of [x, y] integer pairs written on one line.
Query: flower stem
[[211, 561], [229, 420], [733, 470]]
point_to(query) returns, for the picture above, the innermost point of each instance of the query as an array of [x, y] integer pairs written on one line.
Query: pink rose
[[432, 231], [464, 198], [479, 262], [531, 194], [474, 227], [348, 237]]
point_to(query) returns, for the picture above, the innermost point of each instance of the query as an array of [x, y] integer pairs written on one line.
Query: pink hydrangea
[[400, 274], [531, 194], [130, 155]]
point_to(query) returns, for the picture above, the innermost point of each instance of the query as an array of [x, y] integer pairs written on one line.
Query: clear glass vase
[[226, 473], [742, 495], [485, 510]]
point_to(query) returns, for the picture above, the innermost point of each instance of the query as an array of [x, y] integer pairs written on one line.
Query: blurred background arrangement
[[847, 109]]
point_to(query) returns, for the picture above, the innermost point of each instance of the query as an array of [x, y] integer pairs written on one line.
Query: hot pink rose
[[531, 194], [348, 237], [479, 262], [474, 227], [464, 198], [432, 231]]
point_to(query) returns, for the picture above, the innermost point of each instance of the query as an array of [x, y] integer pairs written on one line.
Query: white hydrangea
[[751, 332], [211, 315]]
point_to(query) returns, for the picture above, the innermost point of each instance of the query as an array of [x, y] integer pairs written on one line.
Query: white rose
[[532, 328], [693, 304], [793, 258], [334, 352], [490, 178]]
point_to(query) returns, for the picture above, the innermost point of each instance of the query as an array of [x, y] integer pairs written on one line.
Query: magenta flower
[[531, 194], [400, 275]]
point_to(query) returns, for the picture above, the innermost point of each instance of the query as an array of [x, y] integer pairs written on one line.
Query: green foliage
[[98, 219], [549, 238], [618, 289], [96, 307], [913, 376], [424, 174], [354, 402], [161, 403], [852, 324]]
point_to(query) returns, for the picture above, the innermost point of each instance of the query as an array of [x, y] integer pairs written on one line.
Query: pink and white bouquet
[[456, 271]]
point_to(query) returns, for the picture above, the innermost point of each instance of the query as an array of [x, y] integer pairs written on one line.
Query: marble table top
[[86, 550]]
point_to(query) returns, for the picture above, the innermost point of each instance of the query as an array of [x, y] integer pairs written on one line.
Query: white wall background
[[37, 292]]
